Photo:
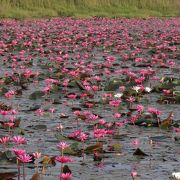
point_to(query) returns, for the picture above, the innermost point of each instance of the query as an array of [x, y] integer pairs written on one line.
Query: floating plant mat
[[96, 98]]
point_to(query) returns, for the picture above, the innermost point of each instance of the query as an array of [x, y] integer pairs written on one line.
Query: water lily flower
[[83, 136], [130, 99], [4, 139], [134, 174], [65, 176], [140, 108], [10, 94], [148, 89], [37, 155], [136, 88], [19, 140], [24, 158], [118, 95], [154, 111], [62, 145], [18, 152], [63, 159], [176, 175], [115, 103]]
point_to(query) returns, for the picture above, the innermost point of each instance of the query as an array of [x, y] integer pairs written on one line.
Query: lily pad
[[66, 169], [61, 137], [98, 147], [113, 85], [177, 138], [36, 95], [41, 127], [36, 176], [7, 175], [167, 123], [69, 151], [116, 147], [169, 100], [147, 122], [7, 156], [47, 160], [176, 93], [3, 91], [139, 152]]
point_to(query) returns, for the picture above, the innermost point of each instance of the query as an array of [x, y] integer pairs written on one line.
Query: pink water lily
[[118, 74], [10, 94], [63, 159], [37, 155], [140, 108], [4, 140], [65, 176], [18, 151], [24, 158], [19, 140], [62, 145]]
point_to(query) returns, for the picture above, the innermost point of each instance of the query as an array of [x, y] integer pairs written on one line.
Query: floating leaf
[[3, 91], [75, 146], [46, 160], [41, 127], [36, 95], [19, 131], [169, 100], [36, 176], [61, 137], [139, 152], [4, 107], [167, 123], [79, 84], [7, 176], [7, 156], [176, 93], [69, 151], [97, 157], [98, 147], [147, 122], [176, 82], [113, 85], [66, 169], [115, 147], [177, 138]]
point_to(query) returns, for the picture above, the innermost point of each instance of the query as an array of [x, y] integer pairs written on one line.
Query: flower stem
[[62, 167], [83, 151], [24, 172], [36, 165], [19, 173]]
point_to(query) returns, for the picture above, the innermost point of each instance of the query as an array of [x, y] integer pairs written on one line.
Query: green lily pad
[[8, 175], [113, 84], [176, 82], [36, 95], [98, 147], [61, 137], [139, 152], [169, 99], [167, 123], [147, 122], [19, 131], [177, 138], [116, 147], [3, 90], [176, 93], [69, 151], [66, 169], [7, 156], [41, 127]]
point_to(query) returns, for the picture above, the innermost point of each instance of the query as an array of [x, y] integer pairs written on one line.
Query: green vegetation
[[86, 8]]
